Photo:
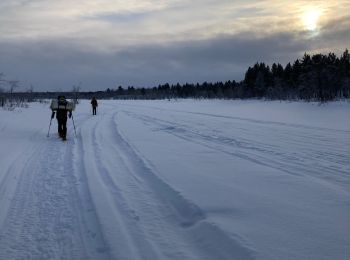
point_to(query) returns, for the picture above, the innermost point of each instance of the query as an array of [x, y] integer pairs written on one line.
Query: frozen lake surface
[[182, 179]]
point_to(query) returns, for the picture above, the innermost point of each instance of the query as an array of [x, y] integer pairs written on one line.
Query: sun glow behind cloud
[[311, 18], [113, 23], [127, 36]]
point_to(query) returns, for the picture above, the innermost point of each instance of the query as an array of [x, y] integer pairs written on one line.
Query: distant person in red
[[94, 105]]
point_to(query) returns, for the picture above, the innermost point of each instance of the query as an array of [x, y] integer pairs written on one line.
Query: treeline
[[318, 77], [313, 77]]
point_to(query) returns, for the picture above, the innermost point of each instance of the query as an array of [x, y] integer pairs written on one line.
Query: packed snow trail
[[49, 218], [150, 219], [177, 180], [94, 198]]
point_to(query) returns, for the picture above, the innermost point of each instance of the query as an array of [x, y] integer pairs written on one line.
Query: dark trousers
[[62, 128], [94, 110]]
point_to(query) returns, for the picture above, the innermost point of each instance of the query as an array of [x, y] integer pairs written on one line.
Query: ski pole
[[48, 132], [74, 126]]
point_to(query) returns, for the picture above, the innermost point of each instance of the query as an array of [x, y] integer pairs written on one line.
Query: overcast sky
[[56, 44]]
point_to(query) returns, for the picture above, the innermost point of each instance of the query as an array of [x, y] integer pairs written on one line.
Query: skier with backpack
[[61, 107]]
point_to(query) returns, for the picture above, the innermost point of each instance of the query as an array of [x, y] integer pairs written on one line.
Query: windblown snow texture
[[177, 180]]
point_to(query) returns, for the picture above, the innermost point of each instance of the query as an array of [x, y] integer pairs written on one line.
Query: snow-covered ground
[[177, 180]]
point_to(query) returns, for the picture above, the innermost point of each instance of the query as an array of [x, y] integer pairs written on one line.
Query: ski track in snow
[[309, 150], [47, 217], [94, 197], [41, 223], [151, 220]]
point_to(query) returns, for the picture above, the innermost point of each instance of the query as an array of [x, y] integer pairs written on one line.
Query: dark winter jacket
[[94, 102]]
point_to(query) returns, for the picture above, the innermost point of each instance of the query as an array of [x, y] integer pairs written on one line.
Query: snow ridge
[[152, 218]]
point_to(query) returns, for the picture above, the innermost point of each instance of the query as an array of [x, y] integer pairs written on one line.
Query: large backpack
[[62, 104]]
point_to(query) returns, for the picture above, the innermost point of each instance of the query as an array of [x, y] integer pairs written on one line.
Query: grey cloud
[[120, 17], [53, 66], [218, 59], [336, 31]]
